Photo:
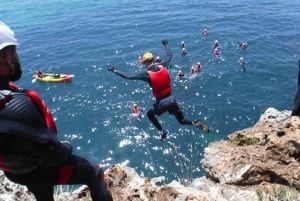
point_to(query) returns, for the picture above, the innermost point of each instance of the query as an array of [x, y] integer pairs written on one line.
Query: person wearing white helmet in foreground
[[30, 151], [159, 79]]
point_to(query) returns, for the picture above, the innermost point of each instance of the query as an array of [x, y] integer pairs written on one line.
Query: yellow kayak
[[53, 77]]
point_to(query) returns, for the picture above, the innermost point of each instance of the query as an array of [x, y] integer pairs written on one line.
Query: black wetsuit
[[33, 156], [166, 104]]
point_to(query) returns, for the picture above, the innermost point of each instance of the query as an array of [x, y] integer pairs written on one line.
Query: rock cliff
[[257, 163]]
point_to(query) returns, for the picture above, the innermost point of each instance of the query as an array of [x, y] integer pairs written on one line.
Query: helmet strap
[[10, 58], [4, 61]]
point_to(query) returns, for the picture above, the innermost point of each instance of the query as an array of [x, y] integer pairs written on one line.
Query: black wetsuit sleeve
[[144, 76], [168, 58]]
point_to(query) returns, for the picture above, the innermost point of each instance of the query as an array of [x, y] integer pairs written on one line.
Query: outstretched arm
[[131, 76], [167, 60]]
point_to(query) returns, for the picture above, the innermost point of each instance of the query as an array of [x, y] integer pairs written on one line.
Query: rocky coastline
[[258, 163]]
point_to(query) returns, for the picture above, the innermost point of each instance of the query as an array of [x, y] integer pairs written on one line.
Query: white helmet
[[7, 36]]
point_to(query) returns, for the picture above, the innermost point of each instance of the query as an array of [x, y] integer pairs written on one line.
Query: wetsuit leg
[[180, 118], [153, 119], [93, 176], [41, 181], [42, 193], [175, 110]]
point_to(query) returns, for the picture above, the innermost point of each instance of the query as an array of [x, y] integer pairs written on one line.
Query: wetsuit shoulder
[[21, 116]]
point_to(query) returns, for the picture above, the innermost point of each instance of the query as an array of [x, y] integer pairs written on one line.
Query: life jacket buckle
[[5, 96]]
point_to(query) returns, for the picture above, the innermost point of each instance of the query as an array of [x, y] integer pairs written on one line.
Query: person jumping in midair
[[159, 79]]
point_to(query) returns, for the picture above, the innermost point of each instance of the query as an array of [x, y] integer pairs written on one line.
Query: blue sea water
[[92, 112]]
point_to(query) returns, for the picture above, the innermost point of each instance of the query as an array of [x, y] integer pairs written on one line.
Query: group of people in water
[[154, 65], [216, 54], [183, 50], [194, 69]]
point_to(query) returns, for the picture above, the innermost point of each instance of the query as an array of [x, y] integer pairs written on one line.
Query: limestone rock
[[10, 191], [267, 152], [126, 185]]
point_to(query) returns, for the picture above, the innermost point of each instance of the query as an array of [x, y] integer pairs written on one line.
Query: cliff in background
[[257, 163]]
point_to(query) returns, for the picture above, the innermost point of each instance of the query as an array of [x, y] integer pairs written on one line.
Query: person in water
[[180, 74], [182, 45], [205, 34], [157, 59], [30, 151], [183, 52], [216, 44], [136, 111], [296, 109], [198, 67], [192, 70], [216, 53], [243, 45], [242, 63], [159, 79], [40, 73], [139, 60]]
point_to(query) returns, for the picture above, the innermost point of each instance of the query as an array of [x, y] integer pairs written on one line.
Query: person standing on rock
[[30, 152], [296, 109]]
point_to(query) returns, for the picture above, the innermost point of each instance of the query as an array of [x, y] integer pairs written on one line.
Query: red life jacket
[[135, 110], [41, 105], [160, 83]]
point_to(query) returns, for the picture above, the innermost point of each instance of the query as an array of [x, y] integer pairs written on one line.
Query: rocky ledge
[[258, 163]]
